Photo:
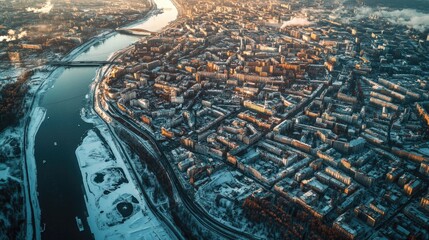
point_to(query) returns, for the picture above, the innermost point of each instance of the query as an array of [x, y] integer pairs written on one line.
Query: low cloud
[[411, 18], [297, 22], [405, 17], [45, 9]]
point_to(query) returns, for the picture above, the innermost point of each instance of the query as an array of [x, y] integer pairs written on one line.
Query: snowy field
[[116, 208], [10, 151], [37, 116]]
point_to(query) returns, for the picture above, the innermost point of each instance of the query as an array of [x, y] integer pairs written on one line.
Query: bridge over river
[[135, 31]]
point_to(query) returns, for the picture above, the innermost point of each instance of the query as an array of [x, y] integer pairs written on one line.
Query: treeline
[[191, 226], [11, 100], [286, 220]]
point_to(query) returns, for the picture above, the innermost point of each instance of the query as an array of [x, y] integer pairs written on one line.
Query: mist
[[405, 17], [297, 22], [412, 18]]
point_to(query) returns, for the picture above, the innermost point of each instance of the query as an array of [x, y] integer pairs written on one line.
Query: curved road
[[127, 161], [200, 214]]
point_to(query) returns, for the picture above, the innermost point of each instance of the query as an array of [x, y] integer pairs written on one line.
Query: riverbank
[[32, 204], [104, 197], [32, 121], [99, 153], [37, 91], [108, 121], [34, 118], [31, 126], [32, 208]]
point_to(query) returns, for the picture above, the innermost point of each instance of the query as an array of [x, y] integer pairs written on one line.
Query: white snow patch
[[216, 197], [4, 172], [38, 114], [105, 221]]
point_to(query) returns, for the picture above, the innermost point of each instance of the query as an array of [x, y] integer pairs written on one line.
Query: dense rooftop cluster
[[332, 116]]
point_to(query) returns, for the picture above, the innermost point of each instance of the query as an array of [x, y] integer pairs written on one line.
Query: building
[[258, 108]]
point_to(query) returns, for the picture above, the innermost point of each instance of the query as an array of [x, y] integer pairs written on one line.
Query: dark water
[[60, 188], [60, 192]]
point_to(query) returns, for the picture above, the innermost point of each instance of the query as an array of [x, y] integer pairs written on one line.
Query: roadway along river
[[59, 180]]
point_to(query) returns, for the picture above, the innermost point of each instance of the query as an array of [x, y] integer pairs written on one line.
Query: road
[[173, 229], [196, 210], [200, 214]]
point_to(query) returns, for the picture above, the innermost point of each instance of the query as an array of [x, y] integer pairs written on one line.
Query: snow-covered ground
[[218, 196], [108, 182], [37, 115], [9, 75], [5, 174], [109, 188], [10, 144]]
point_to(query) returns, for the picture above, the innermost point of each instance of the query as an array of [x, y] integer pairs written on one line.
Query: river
[[59, 180]]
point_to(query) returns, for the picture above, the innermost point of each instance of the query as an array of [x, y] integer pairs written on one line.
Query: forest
[[288, 218], [12, 100]]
